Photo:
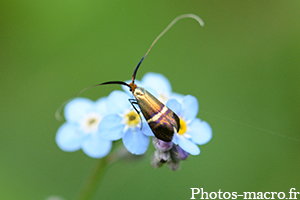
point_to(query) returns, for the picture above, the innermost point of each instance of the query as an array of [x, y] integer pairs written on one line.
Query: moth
[[163, 122], [161, 119]]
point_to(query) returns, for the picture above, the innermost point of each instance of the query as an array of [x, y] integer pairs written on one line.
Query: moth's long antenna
[[163, 32], [132, 85], [57, 113]]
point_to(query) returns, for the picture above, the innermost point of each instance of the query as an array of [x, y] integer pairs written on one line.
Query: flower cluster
[[93, 126]]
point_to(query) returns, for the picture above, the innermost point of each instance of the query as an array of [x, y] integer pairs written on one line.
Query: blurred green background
[[243, 65]]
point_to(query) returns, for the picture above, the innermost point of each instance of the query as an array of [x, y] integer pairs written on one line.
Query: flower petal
[[117, 102], [200, 131], [100, 106], [96, 147], [175, 106], [111, 127], [175, 139], [77, 108], [189, 108], [68, 138], [146, 129], [188, 146], [158, 82], [135, 141], [177, 96]]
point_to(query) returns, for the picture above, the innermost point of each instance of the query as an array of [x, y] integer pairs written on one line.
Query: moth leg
[[132, 102]]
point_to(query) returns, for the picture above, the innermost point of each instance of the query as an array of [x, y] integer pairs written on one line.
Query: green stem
[[91, 184], [94, 179]]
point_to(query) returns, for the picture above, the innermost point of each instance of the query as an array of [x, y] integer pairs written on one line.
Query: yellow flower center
[[182, 128], [90, 122], [132, 118]]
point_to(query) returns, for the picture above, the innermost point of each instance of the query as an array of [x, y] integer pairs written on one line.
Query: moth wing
[[160, 118]]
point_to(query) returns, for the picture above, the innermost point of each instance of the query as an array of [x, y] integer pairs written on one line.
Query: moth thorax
[[139, 92]]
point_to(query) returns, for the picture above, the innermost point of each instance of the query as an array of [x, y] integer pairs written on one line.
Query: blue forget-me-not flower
[[80, 131], [92, 126]]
